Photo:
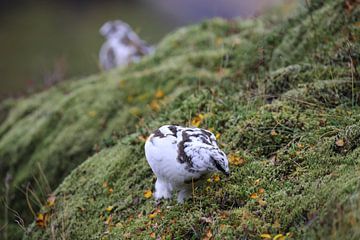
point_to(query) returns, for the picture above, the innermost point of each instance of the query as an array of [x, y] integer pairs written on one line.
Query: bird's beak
[[227, 174]]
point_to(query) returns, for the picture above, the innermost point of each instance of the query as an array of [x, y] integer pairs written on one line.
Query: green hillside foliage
[[283, 98]]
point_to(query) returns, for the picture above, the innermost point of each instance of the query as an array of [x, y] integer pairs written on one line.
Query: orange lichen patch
[[273, 133], [155, 106], [216, 178], [254, 196], [261, 190], [265, 236], [197, 120], [279, 237], [51, 201], [154, 213], [211, 129], [159, 94], [217, 135], [208, 235], [109, 208], [236, 160], [340, 142], [148, 193], [42, 220]]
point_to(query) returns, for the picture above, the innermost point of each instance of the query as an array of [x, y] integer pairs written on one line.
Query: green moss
[[281, 96], [329, 93]]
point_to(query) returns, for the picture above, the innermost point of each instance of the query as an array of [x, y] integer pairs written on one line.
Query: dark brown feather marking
[[204, 138], [174, 130], [206, 133], [159, 134], [182, 156]]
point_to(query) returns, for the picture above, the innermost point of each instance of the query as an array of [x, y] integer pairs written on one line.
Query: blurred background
[[42, 42]]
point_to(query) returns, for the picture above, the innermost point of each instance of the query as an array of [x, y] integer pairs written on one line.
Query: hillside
[[282, 96]]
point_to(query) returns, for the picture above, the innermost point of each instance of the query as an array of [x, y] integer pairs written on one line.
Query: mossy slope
[[284, 97]]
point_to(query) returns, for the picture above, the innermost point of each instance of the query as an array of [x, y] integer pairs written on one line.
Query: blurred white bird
[[179, 155], [122, 46]]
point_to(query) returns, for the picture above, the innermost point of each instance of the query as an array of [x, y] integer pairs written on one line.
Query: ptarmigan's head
[[115, 29], [199, 150], [219, 162]]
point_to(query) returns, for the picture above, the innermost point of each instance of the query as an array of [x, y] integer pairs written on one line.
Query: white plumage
[[122, 46], [178, 155]]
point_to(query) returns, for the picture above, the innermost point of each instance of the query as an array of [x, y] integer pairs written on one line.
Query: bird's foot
[[183, 195], [162, 194]]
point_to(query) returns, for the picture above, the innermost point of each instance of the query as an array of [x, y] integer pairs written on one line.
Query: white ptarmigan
[[122, 46], [179, 155]]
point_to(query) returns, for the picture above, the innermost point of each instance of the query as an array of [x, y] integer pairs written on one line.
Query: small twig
[[329, 133], [292, 141], [38, 184], [301, 101], [20, 222], [28, 201], [3, 227], [24, 192], [42, 174]]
